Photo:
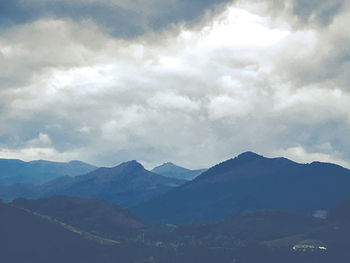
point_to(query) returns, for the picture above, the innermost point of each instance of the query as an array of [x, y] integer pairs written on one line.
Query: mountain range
[[246, 209], [250, 182], [126, 185], [37, 172]]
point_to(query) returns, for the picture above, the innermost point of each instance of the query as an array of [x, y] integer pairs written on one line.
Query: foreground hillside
[[94, 216], [27, 237], [251, 182], [266, 236]]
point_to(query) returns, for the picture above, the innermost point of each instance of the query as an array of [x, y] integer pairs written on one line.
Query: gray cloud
[[319, 11], [192, 95], [300, 13], [120, 18]]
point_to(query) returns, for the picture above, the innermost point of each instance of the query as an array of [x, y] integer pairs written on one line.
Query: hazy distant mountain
[[174, 171], [38, 172], [251, 182], [126, 185], [90, 215]]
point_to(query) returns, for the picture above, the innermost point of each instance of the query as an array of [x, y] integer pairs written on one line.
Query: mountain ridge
[[15, 171], [125, 185], [94, 216], [251, 182]]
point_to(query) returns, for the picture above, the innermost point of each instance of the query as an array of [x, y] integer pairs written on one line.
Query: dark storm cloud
[[119, 18], [308, 13], [115, 19], [181, 10], [14, 12], [269, 76], [320, 11]]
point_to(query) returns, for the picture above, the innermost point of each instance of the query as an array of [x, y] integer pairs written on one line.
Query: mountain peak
[[249, 156], [133, 164], [167, 164]]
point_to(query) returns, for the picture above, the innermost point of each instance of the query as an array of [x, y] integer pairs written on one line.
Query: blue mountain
[[251, 182], [174, 171], [126, 185], [14, 171]]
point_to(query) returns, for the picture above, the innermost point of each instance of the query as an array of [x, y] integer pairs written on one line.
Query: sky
[[191, 82]]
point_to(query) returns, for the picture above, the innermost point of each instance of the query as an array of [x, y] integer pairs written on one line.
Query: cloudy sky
[[192, 82]]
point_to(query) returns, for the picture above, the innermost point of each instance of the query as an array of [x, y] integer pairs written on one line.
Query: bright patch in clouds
[[299, 154], [238, 27], [37, 149], [248, 78]]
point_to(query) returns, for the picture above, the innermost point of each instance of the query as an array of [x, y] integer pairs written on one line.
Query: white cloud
[[244, 80], [38, 153], [224, 106], [170, 100], [39, 148], [239, 28], [299, 154], [41, 140]]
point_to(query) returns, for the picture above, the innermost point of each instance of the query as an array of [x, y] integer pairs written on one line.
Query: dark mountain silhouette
[[38, 172], [267, 236], [28, 237], [252, 227], [174, 171], [251, 182], [126, 185], [90, 215], [275, 236]]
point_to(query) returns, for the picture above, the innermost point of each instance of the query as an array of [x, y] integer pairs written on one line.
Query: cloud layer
[[120, 18], [192, 87]]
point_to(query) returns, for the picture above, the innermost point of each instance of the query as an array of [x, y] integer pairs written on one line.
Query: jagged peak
[[169, 165]]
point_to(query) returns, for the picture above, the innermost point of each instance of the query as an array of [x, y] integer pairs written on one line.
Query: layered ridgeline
[[251, 182], [126, 185], [174, 171], [94, 216], [29, 237], [66, 229], [14, 171]]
